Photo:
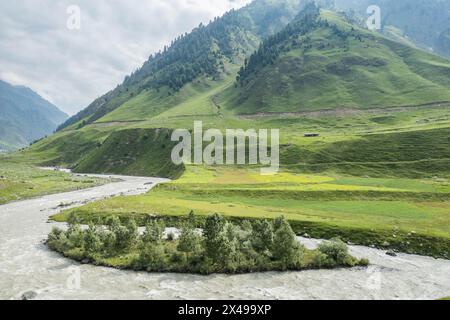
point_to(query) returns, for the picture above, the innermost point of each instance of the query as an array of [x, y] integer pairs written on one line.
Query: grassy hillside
[[413, 154], [377, 174], [205, 51], [327, 65], [335, 64], [133, 152]]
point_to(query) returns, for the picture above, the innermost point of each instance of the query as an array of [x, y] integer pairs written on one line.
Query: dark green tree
[[217, 246], [262, 236], [286, 249], [153, 233]]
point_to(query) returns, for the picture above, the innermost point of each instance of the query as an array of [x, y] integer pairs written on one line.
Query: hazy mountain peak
[[25, 116]]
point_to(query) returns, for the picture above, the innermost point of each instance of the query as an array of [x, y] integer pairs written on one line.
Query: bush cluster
[[220, 247]]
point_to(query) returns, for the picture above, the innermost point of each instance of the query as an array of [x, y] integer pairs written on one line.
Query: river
[[28, 268]]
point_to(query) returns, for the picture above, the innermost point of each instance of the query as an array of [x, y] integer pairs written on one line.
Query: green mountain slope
[[206, 51], [318, 73], [323, 62], [134, 152], [25, 116]]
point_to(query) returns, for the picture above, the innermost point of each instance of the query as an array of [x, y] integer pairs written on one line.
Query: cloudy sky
[[42, 48]]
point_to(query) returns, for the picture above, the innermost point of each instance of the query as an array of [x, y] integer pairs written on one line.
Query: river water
[[28, 267]]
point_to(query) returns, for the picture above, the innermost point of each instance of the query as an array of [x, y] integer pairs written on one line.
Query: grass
[[133, 152], [377, 175], [389, 208], [356, 72], [19, 181]]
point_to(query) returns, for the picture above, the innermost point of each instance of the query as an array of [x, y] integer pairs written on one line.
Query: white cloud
[[73, 67]]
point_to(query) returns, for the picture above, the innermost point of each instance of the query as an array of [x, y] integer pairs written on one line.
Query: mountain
[[207, 51], [322, 61], [278, 59], [425, 22], [25, 116]]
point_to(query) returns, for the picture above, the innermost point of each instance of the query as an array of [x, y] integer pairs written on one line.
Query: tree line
[[306, 21]]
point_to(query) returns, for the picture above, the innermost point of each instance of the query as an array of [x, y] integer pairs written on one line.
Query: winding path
[[28, 267]]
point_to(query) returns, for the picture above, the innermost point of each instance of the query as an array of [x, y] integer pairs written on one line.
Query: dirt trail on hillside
[[341, 112]]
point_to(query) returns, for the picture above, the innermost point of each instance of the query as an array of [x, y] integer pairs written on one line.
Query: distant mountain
[[25, 116], [424, 22]]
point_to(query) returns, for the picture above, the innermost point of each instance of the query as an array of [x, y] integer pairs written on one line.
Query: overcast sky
[[72, 67]]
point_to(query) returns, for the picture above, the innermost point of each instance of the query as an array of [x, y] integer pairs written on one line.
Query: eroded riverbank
[[26, 265]]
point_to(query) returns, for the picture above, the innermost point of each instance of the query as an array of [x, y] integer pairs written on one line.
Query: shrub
[[55, 234], [262, 236], [125, 235], [216, 241], [190, 241], [75, 236], [57, 240], [336, 250], [363, 262], [286, 248], [321, 260], [92, 240], [224, 247], [109, 242], [153, 258], [153, 232]]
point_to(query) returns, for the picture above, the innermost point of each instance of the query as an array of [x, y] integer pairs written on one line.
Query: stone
[[391, 253], [29, 295]]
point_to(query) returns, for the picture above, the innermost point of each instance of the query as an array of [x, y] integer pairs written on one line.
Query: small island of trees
[[219, 247]]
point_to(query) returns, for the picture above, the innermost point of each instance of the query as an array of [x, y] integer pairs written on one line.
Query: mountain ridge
[[202, 51], [25, 116], [327, 62], [326, 66]]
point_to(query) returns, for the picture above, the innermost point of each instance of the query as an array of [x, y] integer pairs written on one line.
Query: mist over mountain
[[425, 22], [25, 116]]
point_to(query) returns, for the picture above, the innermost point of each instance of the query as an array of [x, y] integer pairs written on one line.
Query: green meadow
[[19, 181], [377, 175], [407, 214]]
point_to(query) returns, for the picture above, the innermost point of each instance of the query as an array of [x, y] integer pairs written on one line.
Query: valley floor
[[23, 227], [408, 215], [19, 181]]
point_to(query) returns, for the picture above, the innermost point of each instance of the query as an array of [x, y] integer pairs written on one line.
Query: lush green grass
[[411, 142], [362, 70], [134, 152], [20, 181], [194, 99], [415, 154], [377, 175], [391, 209]]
